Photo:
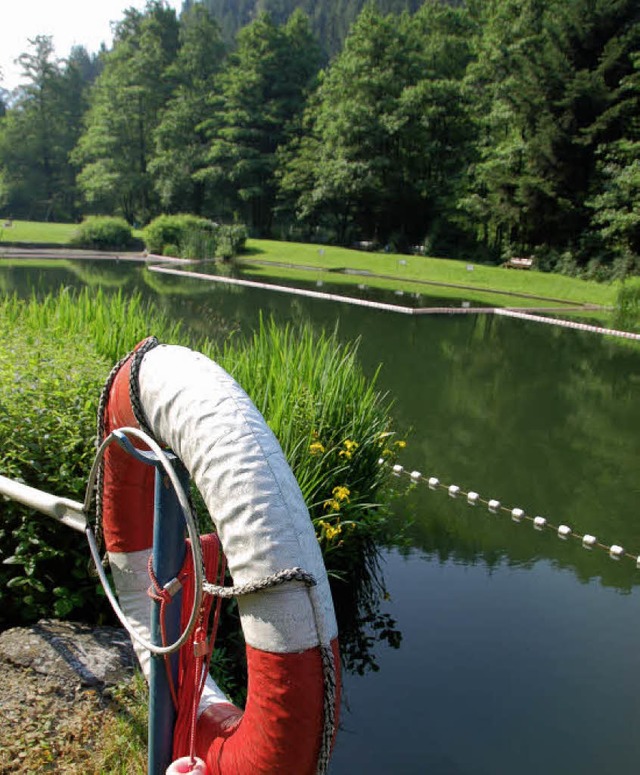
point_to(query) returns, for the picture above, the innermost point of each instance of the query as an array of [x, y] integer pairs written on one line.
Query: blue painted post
[[169, 535]]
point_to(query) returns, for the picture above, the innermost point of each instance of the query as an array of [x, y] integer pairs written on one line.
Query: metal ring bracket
[[120, 436]]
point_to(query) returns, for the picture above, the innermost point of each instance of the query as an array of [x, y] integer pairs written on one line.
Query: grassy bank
[[419, 274], [461, 279], [33, 232]]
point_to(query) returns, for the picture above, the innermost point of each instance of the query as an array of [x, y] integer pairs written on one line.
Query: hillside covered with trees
[[330, 20], [486, 128]]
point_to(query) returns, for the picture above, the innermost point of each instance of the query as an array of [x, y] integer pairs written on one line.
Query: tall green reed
[[331, 421]]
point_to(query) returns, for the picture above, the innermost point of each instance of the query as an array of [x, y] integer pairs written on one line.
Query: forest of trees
[[484, 128], [330, 20]]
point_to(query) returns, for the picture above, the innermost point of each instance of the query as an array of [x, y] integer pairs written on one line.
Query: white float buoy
[[493, 505], [454, 490], [616, 552], [564, 531], [472, 498], [539, 523], [416, 476], [433, 482], [398, 469], [517, 514], [588, 541]]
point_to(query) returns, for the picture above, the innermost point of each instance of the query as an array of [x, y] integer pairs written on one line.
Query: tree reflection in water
[[359, 595]]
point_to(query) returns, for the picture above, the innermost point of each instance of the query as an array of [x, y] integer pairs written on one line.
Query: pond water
[[504, 649]]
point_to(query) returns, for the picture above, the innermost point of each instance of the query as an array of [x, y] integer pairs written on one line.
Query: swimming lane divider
[[564, 532], [501, 311]]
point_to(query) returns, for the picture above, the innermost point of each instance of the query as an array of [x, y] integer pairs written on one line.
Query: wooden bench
[[519, 263]]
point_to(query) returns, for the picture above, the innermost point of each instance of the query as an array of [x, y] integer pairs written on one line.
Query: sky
[[69, 22]]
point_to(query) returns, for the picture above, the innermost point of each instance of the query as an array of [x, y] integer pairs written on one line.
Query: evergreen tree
[[180, 141], [126, 103], [262, 92], [330, 20], [547, 81], [39, 131], [616, 205]]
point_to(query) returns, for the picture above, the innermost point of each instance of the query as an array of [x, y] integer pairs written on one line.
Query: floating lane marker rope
[[512, 313], [564, 532]]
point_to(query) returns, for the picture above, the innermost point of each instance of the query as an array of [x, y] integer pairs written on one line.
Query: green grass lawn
[[442, 277], [34, 232], [411, 272]]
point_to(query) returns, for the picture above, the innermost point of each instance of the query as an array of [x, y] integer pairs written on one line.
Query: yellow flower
[[332, 505], [400, 444], [329, 531], [316, 448], [332, 532], [349, 447], [341, 493]]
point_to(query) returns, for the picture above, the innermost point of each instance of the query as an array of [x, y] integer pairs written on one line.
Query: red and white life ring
[[196, 409]]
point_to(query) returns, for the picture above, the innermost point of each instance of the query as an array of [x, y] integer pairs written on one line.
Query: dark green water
[[518, 652]]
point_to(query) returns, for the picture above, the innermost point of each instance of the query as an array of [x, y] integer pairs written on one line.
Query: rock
[[70, 652]]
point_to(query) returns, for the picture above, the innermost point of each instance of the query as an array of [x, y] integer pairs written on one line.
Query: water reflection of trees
[[359, 595], [103, 273], [29, 280], [538, 417], [452, 531]]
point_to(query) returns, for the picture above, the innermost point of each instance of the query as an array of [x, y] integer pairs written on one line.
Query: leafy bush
[[48, 396], [57, 356], [182, 231], [627, 309], [101, 232], [188, 236], [231, 240]]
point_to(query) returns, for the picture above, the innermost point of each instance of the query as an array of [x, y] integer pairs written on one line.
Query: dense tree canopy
[[180, 140], [550, 76], [493, 127], [387, 134]]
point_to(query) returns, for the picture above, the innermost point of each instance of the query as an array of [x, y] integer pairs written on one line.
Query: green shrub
[[171, 250], [48, 403], [231, 240], [177, 230], [57, 355], [189, 236], [627, 309], [101, 232]]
